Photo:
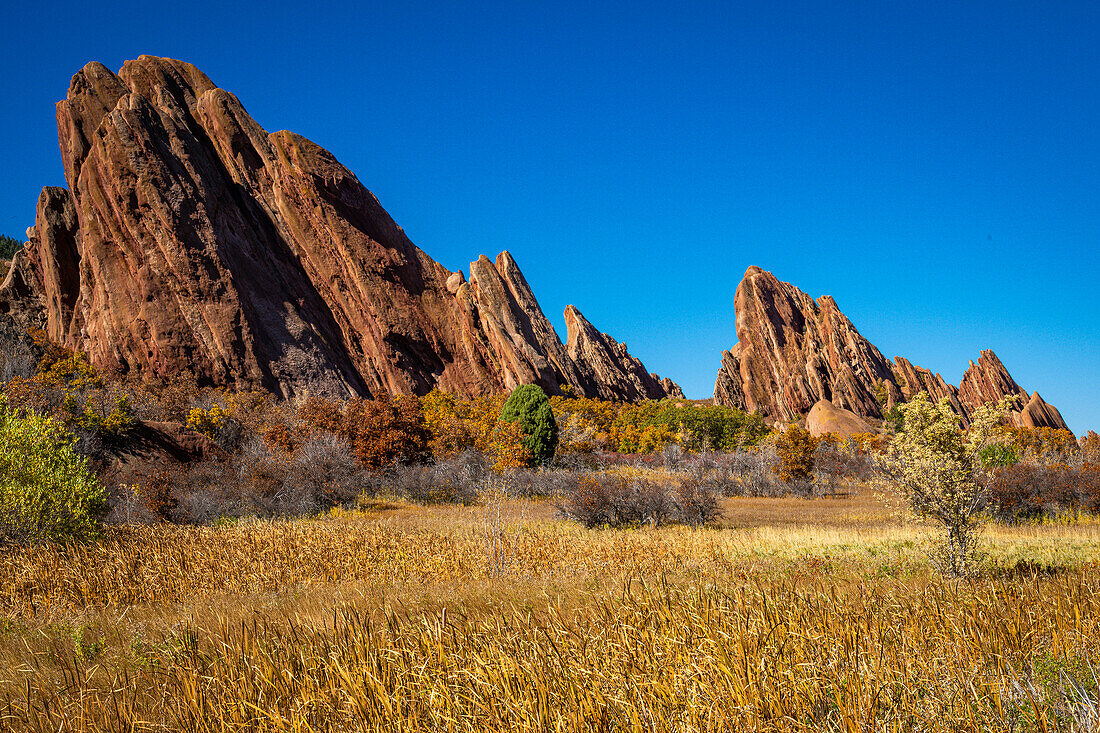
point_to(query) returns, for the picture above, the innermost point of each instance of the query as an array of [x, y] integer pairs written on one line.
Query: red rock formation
[[825, 417], [191, 239], [793, 352], [912, 380], [989, 381], [607, 370]]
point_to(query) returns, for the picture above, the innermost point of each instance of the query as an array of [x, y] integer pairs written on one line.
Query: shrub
[[381, 432], [454, 481], [1027, 491], [218, 424], [47, 491], [939, 470], [529, 407], [1041, 445], [321, 473], [66, 387], [697, 502], [509, 447], [796, 455], [387, 431], [602, 500], [1090, 447]]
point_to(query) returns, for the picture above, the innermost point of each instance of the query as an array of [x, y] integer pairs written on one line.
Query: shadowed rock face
[[190, 239], [794, 352]]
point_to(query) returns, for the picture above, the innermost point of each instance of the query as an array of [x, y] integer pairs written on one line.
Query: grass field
[[791, 615]]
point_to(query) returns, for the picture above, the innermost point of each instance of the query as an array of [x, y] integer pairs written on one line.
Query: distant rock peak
[[793, 352]]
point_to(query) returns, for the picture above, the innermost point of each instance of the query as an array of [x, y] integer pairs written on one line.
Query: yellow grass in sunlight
[[792, 615]]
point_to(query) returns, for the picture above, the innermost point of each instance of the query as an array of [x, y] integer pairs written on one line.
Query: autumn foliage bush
[[647, 427], [66, 387], [797, 450], [1042, 445], [1028, 491], [382, 432]]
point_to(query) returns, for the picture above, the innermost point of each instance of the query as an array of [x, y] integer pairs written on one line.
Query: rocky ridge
[[191, 239], [606, 368], [794, 351]]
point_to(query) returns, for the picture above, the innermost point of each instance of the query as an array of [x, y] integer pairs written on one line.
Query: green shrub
[[47, 491], [998, 456], [530, 407]]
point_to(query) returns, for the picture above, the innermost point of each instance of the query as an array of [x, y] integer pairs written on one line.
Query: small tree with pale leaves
[[939, 470]]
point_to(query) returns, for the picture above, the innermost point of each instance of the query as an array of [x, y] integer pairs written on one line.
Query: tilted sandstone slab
[[191, 239], [989, 381], [606, 368], [794, 352]]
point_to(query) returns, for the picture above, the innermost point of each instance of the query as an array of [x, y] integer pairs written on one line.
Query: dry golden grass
[[794, 615]]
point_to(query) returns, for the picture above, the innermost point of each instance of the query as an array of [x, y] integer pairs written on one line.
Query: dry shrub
[[624, 501], [454, 481], [796, 448], [741, 473], [1090, 447], [1028, 491], [696, 503], [541, 482], [319, 474]]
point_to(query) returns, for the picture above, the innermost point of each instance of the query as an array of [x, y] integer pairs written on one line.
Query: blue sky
[[933, 166]]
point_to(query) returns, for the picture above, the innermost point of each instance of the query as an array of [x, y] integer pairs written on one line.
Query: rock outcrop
[[606, 368], [794, 352], [825, 417], [190, 239], [989, 381]]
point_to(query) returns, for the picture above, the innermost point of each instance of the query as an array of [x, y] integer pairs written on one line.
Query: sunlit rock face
[[793, 352], [190, 239]]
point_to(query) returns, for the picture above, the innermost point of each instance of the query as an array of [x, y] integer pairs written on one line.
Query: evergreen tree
[[530, 407], [9, 246]]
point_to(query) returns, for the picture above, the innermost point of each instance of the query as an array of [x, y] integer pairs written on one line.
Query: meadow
[[787, 615]]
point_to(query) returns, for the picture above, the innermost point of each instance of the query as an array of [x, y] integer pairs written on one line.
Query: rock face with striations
[[793, 352], [190, 239], [989, 381], [606, 368]]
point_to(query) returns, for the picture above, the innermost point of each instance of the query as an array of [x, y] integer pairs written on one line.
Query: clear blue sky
[[935, 166]]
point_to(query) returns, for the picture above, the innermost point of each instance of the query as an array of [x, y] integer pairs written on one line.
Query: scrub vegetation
[[420, 564]]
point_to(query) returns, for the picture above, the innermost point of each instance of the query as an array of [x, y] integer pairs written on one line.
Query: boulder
[[825, 417]]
